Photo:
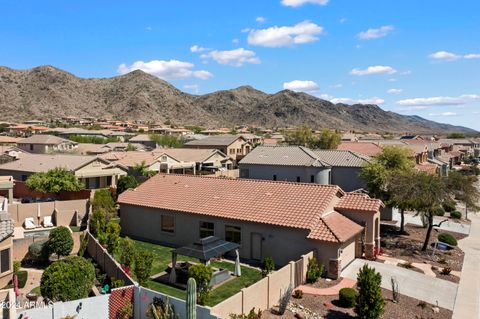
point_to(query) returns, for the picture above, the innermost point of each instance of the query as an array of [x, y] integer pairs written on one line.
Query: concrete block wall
[[267, 292]]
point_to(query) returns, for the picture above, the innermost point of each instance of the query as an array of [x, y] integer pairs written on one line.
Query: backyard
[[163, 257]]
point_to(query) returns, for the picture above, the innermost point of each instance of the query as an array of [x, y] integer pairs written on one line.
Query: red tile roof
[[334, 227], [295, 205], [358, 202], [365, 148], [427, 168]]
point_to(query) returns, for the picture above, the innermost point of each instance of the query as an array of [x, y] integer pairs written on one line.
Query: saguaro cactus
[[191, 299]]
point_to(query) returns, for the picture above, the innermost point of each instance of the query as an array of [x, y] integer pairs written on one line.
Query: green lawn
[[163, 256]]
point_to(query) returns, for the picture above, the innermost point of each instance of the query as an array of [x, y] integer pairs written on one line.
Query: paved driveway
[[467, 303], [411, 283]]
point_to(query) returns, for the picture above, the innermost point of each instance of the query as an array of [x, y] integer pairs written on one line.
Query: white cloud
[[443, 114], [274, 37], [301, 86], [381, 32], [472, 56], [440, 100], [167, 70], [408, 72], [260, 19], [392, 80], [376, 69], [148, 28], [299, 3], [195, 48], [236, 57], [450, 56], [235, 41], [195, 88], [346, 100], [394, 91], [444, 56], [343, 20]]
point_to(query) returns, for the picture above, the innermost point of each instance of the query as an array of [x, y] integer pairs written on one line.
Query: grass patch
[[36, 290], [163, 256], [75, 229]]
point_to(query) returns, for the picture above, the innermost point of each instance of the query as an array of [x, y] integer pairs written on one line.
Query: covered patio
[[204, 250]]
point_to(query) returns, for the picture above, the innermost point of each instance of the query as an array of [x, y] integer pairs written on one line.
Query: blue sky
[[411, 57]]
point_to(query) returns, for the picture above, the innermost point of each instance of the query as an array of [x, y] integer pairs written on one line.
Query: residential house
[[366, 148], [172, 160], [6, 243], [281, 220], [252, 138], [234, 146], [143, 139], [96, 149], [44, 144], [94, 172], [26, 130], [8, 140], [300, 164]]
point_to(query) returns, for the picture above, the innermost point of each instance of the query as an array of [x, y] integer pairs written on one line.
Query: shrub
[[447, 238], [268, 266], [67, 279], [455, 214], [298, 294], [446, 271], [347, 297], [83, 245], [251, 315], [22, 277], [60, 241], [16, 266], [439, 211], [126, 182], [449, 205], [113, 236], [103, 200], [38, 252], [314, 270], [127, 252], [54, 181], [202, 275], [369, 303], [143, 265], [98, 222]]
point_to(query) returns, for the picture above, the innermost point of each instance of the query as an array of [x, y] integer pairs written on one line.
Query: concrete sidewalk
[[411, 283], [467, 303], [449, 225]]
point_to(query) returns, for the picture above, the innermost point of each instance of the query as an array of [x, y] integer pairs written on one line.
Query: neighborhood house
[[281, 220]]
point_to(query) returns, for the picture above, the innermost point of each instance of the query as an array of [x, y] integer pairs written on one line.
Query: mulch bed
[[328, 307], [408, 247], [323, 283]]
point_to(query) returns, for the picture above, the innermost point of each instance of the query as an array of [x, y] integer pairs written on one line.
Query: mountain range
[[46, 92]]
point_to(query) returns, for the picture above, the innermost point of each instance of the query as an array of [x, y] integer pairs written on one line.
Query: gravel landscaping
[[328, 307], [408, 247]]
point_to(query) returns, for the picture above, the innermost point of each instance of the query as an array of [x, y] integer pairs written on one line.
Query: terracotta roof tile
[[334, 227], [359, 202], [365, 148]]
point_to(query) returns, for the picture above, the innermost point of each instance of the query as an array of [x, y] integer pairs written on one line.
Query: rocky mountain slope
[[46, 92]]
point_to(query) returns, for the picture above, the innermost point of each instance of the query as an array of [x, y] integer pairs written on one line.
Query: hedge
[[347, 297], [456, 214], [447, 238]]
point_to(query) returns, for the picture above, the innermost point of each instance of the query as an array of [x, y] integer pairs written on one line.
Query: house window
[[168, 224], [24, 178], [274, 177], [31, 147], [233, 234], [206, 229], [298, 179], [329, 177], [5, 260], [312, 178], [232, 151], [239, 150]]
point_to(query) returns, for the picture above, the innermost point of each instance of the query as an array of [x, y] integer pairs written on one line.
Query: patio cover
[[204, 250], [207, 248]]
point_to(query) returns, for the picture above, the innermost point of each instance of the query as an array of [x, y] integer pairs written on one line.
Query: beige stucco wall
[[6, 276], [281, 243]]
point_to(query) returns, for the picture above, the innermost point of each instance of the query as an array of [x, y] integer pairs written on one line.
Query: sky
[[411, 57]]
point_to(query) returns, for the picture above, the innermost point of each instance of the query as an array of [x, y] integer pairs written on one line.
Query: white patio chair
[[29, 224], [47, 221]]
